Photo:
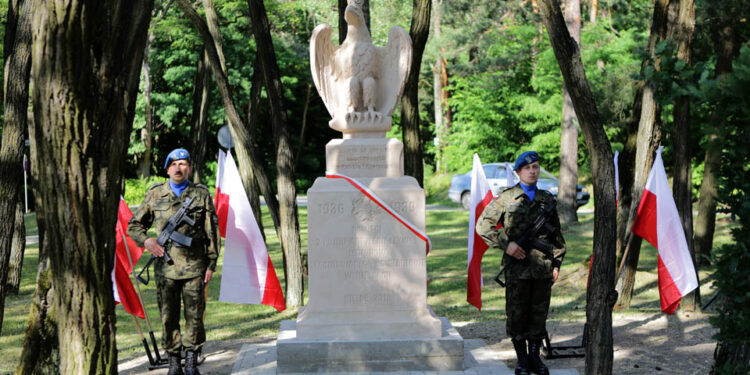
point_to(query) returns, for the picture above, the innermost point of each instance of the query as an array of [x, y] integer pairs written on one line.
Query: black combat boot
[[522, 365], [175, 368], [535, 362], [191, 363]]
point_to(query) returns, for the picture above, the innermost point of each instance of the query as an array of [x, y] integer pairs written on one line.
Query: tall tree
[[440, 92], [17, 51], [199, 116], [681, 33], [647, 141], [86, 67], [247, 155], [15, 264], [567, 206], [413, 143], [727, 41], [290, 239], [600, 295], [342, 21]]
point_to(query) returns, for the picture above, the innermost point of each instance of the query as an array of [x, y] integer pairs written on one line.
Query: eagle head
[[353, 13]]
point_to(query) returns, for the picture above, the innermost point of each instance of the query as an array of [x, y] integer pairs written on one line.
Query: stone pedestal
[[367, 309]]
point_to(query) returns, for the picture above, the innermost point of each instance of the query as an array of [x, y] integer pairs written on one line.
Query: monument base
[[325, 356]]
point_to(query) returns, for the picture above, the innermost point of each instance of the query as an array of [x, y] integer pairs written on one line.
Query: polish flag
[[658, 222], [247, 275], [122, 287], [481, 196]]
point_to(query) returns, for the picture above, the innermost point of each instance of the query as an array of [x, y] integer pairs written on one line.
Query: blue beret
[[176, 154], [527, 157]]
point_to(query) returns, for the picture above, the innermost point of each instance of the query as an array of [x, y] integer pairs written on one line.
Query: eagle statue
[[359, 83]]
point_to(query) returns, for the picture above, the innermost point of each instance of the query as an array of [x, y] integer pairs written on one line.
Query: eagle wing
[[394, 61], [323, 65]]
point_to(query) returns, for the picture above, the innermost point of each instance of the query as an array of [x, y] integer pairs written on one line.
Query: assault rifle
[[528, 240], [169, 234]]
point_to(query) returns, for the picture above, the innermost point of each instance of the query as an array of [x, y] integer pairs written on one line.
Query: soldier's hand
[[555, 274], [207, 278], [515, 250], [153, 247]]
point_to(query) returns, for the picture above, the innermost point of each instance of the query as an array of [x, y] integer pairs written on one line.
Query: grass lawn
[[446, 267]]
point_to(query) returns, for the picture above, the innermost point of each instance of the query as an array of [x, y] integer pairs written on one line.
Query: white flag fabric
[[658, 222], [247, 274], [617, 179], [481, 196]]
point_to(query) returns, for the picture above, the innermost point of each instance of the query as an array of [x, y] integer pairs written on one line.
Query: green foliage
[[733, 266], [135, 188]]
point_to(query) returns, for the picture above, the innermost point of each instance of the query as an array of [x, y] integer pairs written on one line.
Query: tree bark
[[17, 51], [600, 296], [145, 162], [727, 47], [566, 195], [647, 140], [626, 169], [592, 11], [290, 238], [247, 159], [253, 106], [413, 146], [40, 353], [681, 33], [199, 117], [342, 20], [15, 265], [86, 68]]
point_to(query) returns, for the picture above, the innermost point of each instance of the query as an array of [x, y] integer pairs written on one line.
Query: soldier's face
[[179, 170], [529, 173]]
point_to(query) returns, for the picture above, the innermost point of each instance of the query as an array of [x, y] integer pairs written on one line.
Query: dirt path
[[643, 344]]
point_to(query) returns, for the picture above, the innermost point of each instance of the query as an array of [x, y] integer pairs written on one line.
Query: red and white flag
[[122, 285], [481, 196], [247, 275], [658, 222]]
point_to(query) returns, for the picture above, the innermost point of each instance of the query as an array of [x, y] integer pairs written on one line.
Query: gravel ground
[[682, 343], [643, 344]]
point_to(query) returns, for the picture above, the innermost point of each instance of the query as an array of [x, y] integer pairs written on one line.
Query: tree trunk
[[212, 21], [86, 75], [413, 147], [199, 117], [647, 140], [290, 239], [253, 105], [342, 20], [592, 11], [145, 162], [440, 94], [626, 164], [727, 46], [681, 33], [18, 246], [17, 50], [243, 140], [600, 296], [566, 195]]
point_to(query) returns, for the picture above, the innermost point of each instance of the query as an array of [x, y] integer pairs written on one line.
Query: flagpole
[[143, 340], [140, 297]]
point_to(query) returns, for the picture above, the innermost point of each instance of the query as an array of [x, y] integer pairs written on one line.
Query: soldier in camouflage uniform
[[530, 273], [185, 279]]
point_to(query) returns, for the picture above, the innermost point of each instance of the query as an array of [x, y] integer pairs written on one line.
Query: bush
[[135, 188]]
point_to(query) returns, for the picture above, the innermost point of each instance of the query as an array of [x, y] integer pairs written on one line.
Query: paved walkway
[[260, 359]]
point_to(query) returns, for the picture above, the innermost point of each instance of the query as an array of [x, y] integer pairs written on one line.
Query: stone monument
[[367, 308]]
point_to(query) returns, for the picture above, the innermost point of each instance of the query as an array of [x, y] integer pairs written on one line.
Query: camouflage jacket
[[158, 206], [516, 213]]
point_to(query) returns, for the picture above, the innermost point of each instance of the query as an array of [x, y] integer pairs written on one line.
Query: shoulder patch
[[201, 186], [154, 186]]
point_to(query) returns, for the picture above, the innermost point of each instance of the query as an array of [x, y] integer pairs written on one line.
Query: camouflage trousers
[[527, 305], [171, 295]]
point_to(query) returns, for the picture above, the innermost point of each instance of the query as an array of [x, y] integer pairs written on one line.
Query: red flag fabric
[[122, 287], [247, 275], [658, 222], [481, 196]]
